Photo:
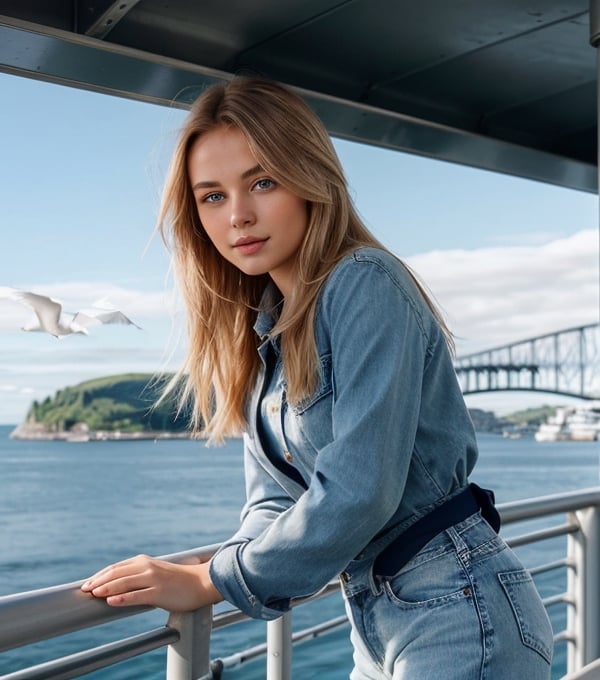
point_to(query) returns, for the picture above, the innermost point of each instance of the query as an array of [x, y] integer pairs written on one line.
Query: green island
[[113, 407], [125, 407]]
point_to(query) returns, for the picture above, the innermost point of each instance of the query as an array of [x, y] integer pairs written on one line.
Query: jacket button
[[288, 456]]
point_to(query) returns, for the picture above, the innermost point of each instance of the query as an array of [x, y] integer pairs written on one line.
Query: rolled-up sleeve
[[373, 323]]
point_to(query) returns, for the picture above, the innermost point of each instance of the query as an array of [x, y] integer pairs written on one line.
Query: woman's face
[[253, 221]]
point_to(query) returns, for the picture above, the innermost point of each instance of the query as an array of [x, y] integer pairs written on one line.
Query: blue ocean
[[67, 509]]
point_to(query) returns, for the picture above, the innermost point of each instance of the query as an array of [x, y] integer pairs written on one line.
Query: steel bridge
[[564, 362]]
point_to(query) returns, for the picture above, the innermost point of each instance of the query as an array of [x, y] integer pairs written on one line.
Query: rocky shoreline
[[81, 433]]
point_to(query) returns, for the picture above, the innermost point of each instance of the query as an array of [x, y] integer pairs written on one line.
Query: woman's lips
[[249, 245]]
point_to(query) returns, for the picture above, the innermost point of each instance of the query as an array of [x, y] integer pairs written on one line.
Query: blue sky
[[82, 173]]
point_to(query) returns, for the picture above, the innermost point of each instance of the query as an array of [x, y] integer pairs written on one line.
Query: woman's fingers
[[132, 598], [119, 577]]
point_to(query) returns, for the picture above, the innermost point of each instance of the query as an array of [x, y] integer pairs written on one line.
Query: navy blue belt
[[466, 503]]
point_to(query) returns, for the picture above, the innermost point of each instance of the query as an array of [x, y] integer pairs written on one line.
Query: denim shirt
[[385, 438]]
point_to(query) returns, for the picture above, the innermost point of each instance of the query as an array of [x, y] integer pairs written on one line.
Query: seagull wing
[[45, 309], [87, 317], [115, 316]]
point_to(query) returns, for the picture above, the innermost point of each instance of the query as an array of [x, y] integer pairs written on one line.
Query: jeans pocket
[[431, 583], [529, 611]]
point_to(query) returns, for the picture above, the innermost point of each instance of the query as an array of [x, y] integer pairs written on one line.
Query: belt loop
[[457, 541], [375, 582]]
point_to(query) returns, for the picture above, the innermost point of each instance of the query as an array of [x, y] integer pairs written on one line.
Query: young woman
[[320, 345]]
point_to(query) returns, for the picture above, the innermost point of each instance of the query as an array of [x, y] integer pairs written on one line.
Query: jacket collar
[[268, 311]]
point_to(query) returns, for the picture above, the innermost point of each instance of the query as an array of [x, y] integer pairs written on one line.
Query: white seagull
[[49, 317]]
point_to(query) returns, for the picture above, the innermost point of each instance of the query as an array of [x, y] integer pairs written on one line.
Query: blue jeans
[[463, 608]]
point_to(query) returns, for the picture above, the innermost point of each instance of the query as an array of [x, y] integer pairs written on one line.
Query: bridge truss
[[564, 362]]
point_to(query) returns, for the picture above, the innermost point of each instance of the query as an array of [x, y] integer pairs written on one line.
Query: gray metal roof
[[508, 85]]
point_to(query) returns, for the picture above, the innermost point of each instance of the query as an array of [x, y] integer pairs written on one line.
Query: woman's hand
[[144, 580]]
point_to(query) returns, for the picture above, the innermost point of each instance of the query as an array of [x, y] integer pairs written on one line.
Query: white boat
[[555, 428], [580, 423], [584, 423]]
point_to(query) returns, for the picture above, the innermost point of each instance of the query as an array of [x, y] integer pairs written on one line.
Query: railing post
[[279, 648], [583, 620], [189, 658]]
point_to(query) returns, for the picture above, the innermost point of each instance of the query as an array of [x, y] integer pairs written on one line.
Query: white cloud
[[492, 296]]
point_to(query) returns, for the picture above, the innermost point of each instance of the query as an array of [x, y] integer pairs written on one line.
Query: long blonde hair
[[289, 142]]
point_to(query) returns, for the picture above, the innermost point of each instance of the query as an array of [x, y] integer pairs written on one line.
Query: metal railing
[[42, 614]]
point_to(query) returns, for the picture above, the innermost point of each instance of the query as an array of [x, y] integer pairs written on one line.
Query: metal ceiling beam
[[70, 59]]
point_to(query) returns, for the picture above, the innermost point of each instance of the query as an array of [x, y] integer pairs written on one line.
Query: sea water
[[67, 509]]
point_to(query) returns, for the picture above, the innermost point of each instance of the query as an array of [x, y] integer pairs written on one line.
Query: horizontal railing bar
[[563, 598], [320, 629], [38, 615], [75, 665], [239, 658], [551, 566], [229, 618], [516, 511], [49, 612], [542, 535], [232, 616], [565, 636], [261, 649]]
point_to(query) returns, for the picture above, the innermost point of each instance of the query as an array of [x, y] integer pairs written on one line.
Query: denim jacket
[[385, 438]]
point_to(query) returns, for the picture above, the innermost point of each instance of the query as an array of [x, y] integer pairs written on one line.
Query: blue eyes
[[213, 198], [263, 184]]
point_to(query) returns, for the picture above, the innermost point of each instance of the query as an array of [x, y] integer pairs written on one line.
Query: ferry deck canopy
[[504, 85]]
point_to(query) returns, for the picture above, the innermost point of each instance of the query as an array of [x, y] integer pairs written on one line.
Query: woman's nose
[[242, 213]]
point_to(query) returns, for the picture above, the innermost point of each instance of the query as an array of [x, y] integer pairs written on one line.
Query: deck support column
[[189, 658], [583, 620], [279, 648]]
